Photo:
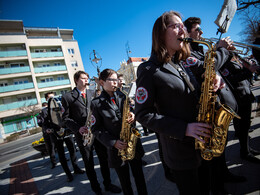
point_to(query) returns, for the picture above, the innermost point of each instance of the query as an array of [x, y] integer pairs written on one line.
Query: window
[[71, 51], [74, 64], [63, 91], [2, 66], [3, 84], [24, 98], [39, 50], [48, 79], [60, 78], [17, 65], [19, 125], [57, 64], [46, 65], [19, 82]]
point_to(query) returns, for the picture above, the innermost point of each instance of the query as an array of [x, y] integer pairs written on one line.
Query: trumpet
[[245, 47]]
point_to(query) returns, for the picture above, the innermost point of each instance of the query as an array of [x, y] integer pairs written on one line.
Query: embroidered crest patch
[[141, 95], [191, 61], [93, 120], [225, 72]]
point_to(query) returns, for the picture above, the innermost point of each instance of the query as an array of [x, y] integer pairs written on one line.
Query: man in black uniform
[[217, 166], [59, 141], [49, 144], [235, 79], [238, 76], [76, 105]]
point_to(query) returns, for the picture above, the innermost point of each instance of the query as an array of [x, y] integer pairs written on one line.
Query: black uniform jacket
[[166, 105], [75, 110], [238, 77], [43, 120], [107, 124], [225, 94]]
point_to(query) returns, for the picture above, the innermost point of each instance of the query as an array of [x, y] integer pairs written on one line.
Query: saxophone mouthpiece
[[186, 40]]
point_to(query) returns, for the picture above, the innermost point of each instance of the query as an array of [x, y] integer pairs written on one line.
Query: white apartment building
[[33, 61]]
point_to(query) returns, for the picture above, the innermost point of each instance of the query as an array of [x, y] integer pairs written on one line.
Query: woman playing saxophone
[[110, 116], [167, 97]]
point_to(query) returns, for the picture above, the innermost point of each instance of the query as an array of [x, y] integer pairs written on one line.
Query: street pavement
[[32, 175]]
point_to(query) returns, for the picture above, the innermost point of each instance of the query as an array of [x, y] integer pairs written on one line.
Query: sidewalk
[[34, 176]]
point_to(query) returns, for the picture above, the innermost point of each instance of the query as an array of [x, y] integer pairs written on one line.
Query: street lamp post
[[96, 60]]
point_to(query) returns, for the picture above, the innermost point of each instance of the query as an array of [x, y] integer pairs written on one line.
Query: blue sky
[[107, 26]]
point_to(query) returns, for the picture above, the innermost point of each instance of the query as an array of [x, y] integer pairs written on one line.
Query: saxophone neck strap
[[183, 75]]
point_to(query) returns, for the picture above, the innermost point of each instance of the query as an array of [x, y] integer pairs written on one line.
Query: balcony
[[15, 105], [17, 53], [47, 54], [49, 69], [16, 87], [14, 70], [54, 83]]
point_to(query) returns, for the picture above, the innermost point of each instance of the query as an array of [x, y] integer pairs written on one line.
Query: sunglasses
[[198, 29]]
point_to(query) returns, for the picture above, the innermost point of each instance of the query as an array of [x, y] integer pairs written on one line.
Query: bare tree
[[31, 109], [242, 5], [249, 12]]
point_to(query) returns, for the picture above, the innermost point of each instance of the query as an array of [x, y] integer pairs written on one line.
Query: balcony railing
[[14, 70], [54, 83], [17, 53], [18, 104], [49, 69], [16, 87], [47, 54]]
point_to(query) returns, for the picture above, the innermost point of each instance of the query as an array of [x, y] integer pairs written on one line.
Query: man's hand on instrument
[[131, 118], [226, 43], [83, 130], [198, 129], [120, 145]]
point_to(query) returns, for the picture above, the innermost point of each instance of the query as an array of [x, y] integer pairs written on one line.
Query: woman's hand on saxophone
[[83, 130], [120, 145], [131, 118], [198, 129], [218, 83]]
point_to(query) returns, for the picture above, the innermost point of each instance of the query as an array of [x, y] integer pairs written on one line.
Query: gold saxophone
[[128, 134], [218, 119]]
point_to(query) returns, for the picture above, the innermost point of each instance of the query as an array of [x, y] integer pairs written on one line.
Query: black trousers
[[124, 177], [50, 146], [211, 174], [187, 181], [87, 156], [61, 153], [101, 151], [242, 125]]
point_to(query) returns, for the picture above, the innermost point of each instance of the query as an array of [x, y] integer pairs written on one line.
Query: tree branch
[[243, 5]]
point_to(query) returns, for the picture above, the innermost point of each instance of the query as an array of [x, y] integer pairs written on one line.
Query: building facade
[[129, 68], [33, 61]]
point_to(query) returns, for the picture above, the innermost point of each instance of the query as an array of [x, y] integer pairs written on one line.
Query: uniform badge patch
[[93, 120], [191, 61], [141, 95], [225, 72]]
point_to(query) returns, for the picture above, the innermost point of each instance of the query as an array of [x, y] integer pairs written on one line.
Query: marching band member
[[76, 104], [107, 123]]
